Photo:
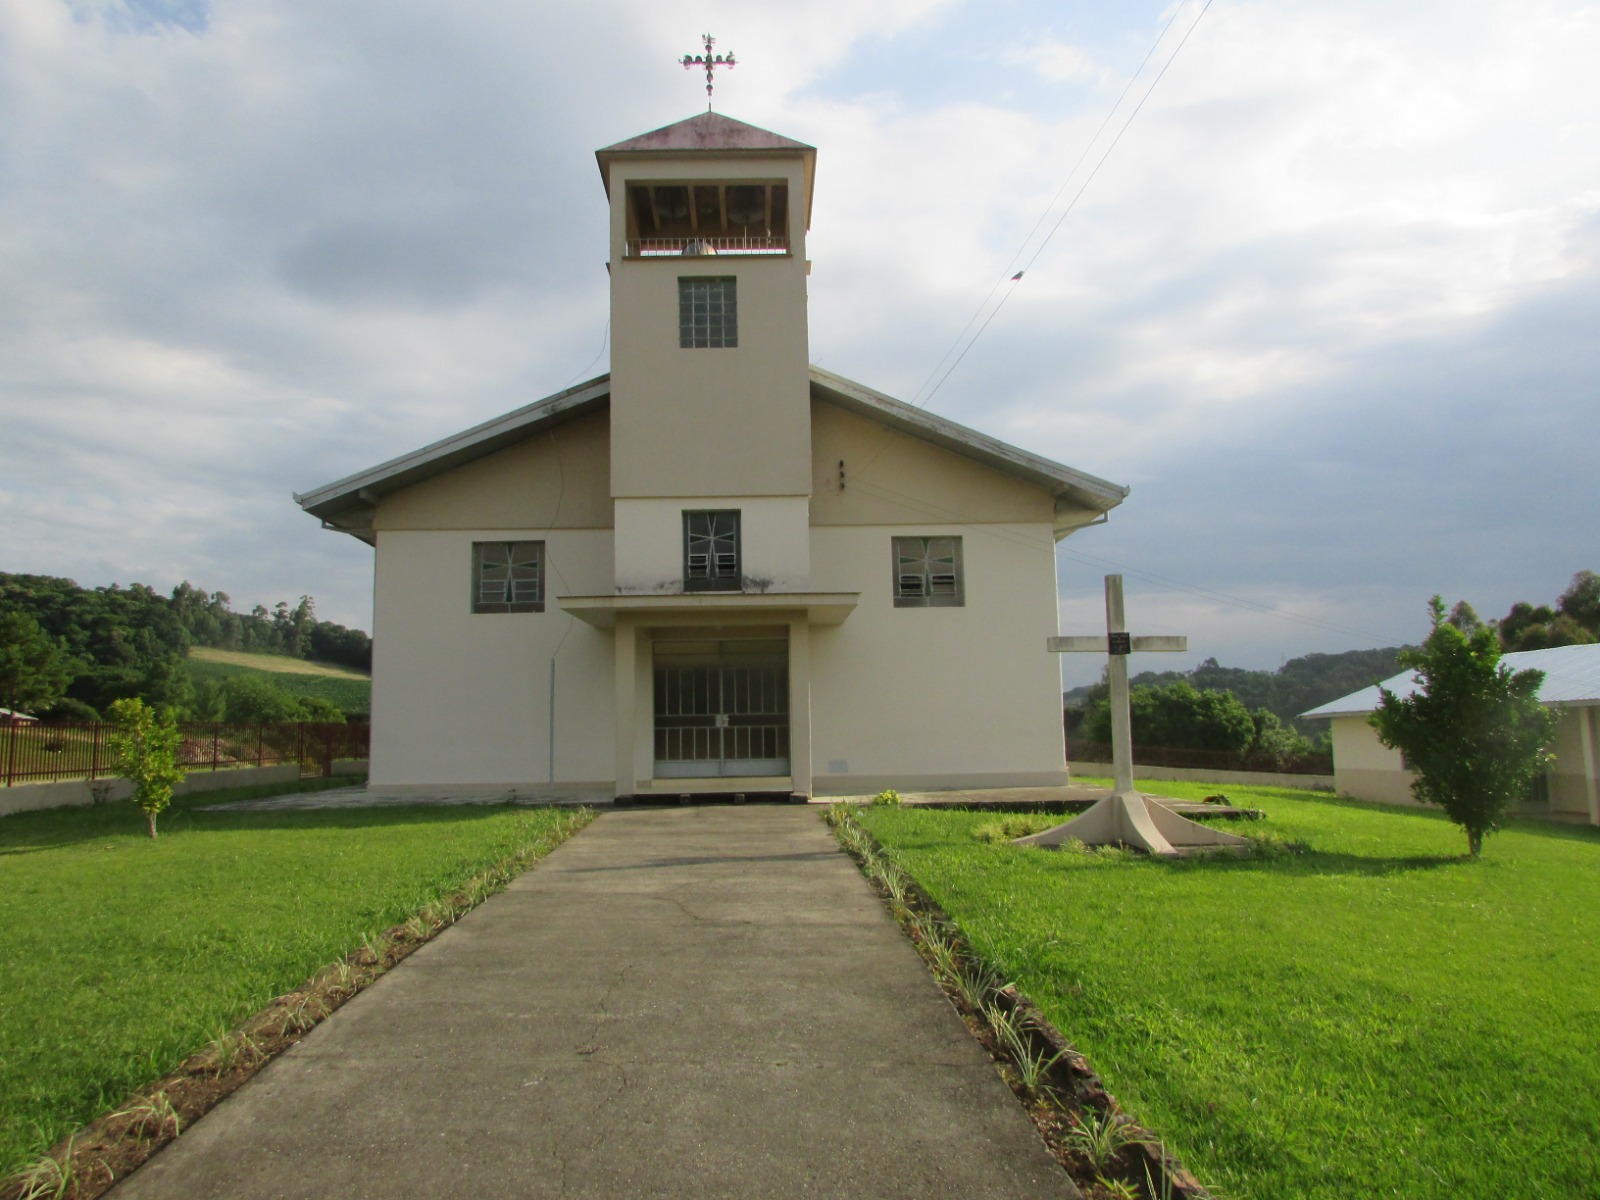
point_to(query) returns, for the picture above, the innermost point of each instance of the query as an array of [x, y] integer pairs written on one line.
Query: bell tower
[[710, 391]]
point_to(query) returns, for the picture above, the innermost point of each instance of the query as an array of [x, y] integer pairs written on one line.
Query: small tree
[[144, 748], [1473, 731]]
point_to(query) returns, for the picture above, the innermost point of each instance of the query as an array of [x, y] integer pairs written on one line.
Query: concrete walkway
[[695, 1002]]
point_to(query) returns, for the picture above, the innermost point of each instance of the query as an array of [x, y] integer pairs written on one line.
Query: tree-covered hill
[[1314, 679], [1300, 684], [77, 649]]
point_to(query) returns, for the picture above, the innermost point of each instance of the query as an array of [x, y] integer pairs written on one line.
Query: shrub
[[144, 747], [67, 711], [1473, 730]]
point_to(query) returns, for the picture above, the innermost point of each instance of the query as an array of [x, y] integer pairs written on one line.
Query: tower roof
[[707, 131], [710, 133]]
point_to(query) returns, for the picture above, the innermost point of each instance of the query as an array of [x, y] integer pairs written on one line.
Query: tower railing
[[690, 247]]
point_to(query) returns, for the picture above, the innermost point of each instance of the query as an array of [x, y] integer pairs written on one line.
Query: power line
[[1071, 204], [1007, 273], [605, 339]]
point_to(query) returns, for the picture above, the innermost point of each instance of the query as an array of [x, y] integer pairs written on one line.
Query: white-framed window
[[507, 577], [711, 551], [708, 311], [927, 572]]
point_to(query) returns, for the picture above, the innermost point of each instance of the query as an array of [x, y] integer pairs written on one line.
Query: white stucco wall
[[1572, 775], [463, 699], [1364, 767], [954, 697], [775, 542], [734, 420]]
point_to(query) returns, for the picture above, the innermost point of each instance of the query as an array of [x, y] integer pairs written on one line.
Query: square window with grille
[[927, 572], [507, 577], [711, 551], [708, 312]]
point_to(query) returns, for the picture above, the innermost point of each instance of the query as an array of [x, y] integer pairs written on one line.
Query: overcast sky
[[1329, 306]]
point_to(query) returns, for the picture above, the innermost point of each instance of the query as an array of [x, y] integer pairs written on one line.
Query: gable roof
[[347, 504], [1571, 676]]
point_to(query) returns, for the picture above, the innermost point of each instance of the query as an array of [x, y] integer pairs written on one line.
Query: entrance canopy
[[820, 608]]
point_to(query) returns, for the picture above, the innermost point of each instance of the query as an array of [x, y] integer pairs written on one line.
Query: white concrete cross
[[1123, 817], [1118, 644]]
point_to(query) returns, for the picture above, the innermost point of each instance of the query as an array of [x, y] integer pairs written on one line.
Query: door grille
[[721, 708]]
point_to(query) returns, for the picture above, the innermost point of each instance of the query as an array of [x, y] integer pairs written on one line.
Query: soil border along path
[[1063, 1095], [690, 1001]]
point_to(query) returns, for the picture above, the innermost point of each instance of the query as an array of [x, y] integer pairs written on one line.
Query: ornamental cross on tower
[[709, 62]]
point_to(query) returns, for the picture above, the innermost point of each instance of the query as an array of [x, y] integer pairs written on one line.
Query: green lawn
[[1376, 1016], [120, 956]]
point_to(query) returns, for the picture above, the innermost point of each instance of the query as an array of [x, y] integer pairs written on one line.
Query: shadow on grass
[[1316, 862], [1518, 822]]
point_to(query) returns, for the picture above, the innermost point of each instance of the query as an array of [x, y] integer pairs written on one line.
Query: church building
[[717, 568]]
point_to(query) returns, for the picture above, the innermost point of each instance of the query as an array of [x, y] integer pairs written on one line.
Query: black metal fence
[[40, 753], [1208, 760]]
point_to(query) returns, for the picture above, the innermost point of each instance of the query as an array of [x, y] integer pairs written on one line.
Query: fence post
[[11, 752], [300, 755], [94, 754], [261, 738], [216, 750]]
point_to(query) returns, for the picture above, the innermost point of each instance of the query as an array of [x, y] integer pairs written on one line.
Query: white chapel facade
[[717, 568]]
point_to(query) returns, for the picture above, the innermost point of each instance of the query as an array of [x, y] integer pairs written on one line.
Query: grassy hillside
[[348, 689], [276, 663]]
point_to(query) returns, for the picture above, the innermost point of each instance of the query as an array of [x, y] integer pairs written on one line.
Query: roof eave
[[364, 489]]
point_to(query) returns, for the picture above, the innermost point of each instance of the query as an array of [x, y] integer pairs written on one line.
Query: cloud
[[1327, 307]]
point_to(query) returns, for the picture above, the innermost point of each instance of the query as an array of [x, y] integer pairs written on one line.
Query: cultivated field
[[346, 689], [274, 663], [1372, 1015]]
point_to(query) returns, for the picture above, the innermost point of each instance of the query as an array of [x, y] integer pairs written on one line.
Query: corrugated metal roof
[[1571, 676]]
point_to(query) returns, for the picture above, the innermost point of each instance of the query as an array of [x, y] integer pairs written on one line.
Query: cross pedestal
[[1125, 817]]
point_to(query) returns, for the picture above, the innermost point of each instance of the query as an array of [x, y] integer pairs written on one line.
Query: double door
[[721, 708]]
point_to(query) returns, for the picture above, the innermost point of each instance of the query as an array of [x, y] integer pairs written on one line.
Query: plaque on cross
[[1123, 817]]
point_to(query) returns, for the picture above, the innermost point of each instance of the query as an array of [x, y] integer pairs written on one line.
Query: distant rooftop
[[1571, 676]]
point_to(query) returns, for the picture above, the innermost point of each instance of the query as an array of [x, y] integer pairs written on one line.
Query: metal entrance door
[[722, 708]]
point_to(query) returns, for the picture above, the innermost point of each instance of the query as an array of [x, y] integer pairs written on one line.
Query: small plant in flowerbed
[[1108, 1156], [92, 1159]]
